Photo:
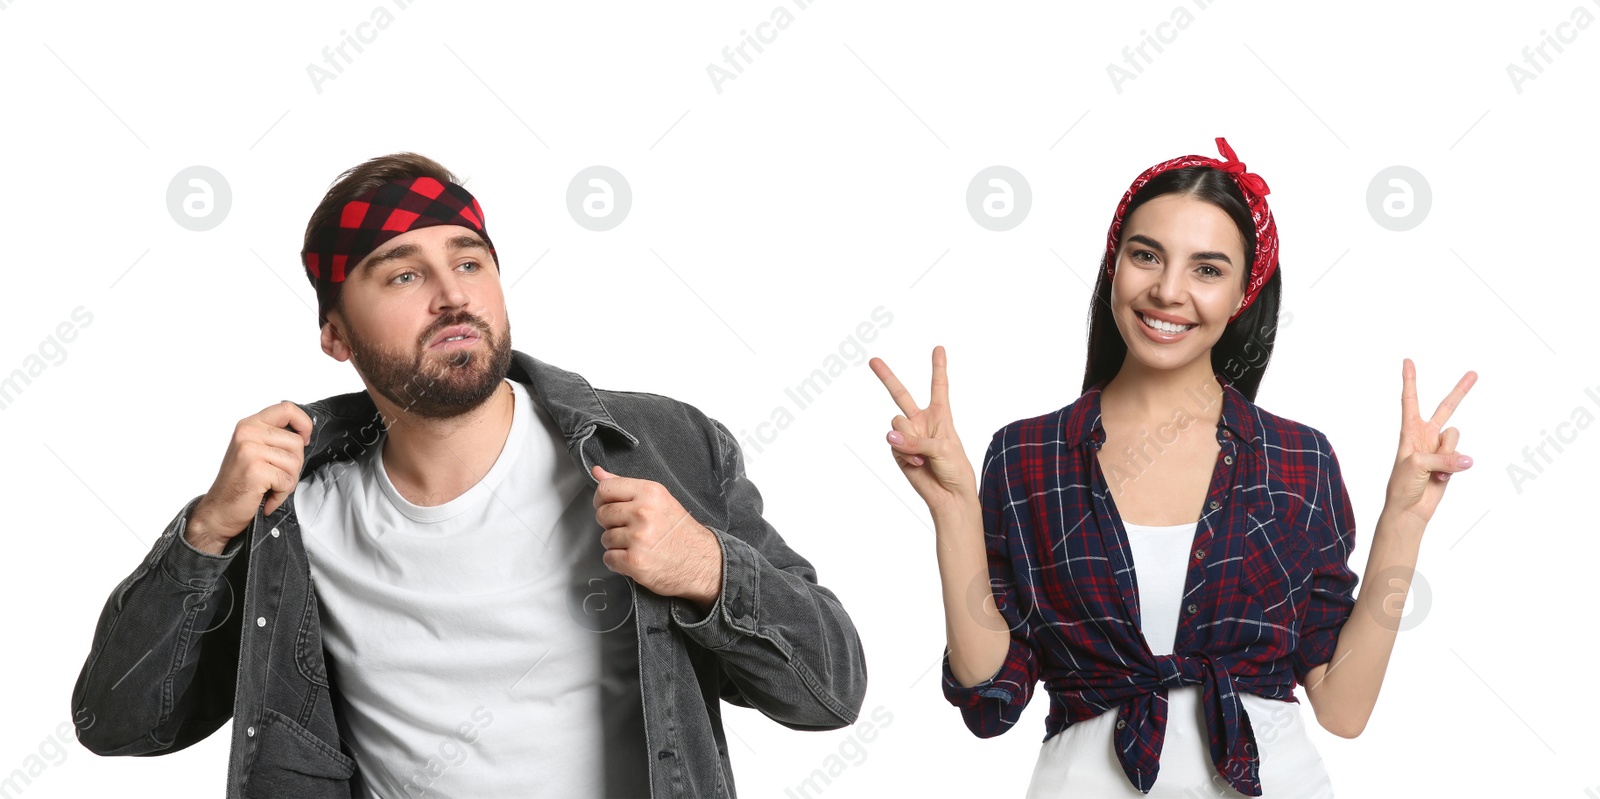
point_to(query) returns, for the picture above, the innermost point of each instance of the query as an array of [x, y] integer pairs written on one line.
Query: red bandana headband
[[365, 223], [1255, 193]]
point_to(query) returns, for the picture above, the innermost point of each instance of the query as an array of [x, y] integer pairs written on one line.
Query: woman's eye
[[1215, 272], [1138, 255]]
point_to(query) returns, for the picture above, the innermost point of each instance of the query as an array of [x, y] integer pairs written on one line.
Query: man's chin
[[436, 388]]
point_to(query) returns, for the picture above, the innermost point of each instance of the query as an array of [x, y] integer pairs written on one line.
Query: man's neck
[[432, 461]]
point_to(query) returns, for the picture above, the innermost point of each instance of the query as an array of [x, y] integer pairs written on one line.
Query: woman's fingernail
[[1463, 461], [895, 437]]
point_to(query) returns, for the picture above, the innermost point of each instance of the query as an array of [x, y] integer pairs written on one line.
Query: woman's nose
[[1169, 287]]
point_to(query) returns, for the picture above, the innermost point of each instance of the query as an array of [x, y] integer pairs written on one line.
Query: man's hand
[[263, 460], [651, 538]]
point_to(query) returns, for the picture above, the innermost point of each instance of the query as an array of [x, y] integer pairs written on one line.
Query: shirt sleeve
[[991, 707], [1333, 582]]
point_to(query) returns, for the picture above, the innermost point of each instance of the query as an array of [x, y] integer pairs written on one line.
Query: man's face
[[403, 301]]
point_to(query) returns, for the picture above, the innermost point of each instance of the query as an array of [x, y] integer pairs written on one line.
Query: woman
[[1167, 558]]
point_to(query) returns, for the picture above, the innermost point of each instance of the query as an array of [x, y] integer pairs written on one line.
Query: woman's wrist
[[959, 511], [1408, 526]]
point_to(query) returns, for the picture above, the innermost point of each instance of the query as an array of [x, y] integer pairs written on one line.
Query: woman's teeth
[[1164, 327]]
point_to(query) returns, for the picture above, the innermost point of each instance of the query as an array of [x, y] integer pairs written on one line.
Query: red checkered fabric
[[1255, 193], [367, 222]]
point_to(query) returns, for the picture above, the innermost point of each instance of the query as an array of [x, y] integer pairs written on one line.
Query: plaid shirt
[[1268, 586]]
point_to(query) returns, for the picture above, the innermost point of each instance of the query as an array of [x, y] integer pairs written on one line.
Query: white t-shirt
[[463, 637], [1081, 760]]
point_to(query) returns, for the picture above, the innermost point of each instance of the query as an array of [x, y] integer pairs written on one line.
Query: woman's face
[[1181, 265]]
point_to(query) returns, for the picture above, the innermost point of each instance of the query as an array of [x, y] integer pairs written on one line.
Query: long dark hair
[[1242, 353]]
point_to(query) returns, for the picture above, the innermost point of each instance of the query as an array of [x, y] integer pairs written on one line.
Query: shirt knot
[[1176, 670]]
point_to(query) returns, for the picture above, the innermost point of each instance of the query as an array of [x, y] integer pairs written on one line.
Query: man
[[478, 577]]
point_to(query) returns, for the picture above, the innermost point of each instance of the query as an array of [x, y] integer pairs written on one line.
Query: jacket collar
[[345, 425], [1082, 423]]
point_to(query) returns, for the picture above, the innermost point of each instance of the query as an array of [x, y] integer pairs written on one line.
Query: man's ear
[[333, 339]]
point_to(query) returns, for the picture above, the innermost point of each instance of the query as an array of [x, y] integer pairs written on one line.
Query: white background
[[769, 219]]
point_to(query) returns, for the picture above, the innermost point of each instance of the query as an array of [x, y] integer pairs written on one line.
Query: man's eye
[[401, 275], [474, 264]]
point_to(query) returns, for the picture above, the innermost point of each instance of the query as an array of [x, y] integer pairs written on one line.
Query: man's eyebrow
[[461, 242], [467, 242], [1199, 256]]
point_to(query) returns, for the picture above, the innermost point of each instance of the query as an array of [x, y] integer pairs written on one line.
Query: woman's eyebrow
[[1148, 242], [1199, 256], [1211, 256]]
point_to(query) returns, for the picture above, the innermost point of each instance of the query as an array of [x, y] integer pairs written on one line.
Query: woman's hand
[[924, 440], [1427, 455]]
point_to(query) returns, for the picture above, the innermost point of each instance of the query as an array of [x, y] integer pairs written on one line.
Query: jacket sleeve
[[785, 642], [993, 706], [161, 669]]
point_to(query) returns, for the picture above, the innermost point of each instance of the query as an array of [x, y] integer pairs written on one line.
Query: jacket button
[[250, 732], [1193, 609], [261, 621], [737, 606], [274, 532]]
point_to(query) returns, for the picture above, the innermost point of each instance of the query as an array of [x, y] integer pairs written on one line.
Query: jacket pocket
[[292, 762]]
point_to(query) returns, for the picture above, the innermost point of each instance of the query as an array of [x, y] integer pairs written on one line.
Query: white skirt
[[1081, 760]]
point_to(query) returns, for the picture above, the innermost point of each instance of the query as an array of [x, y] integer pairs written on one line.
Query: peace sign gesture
[[1427, 455], [925, 443]]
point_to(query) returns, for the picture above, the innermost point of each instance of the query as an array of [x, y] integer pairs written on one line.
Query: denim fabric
[[189, 639]]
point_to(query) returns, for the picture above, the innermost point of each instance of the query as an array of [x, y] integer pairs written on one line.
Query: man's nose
[[449, 290]]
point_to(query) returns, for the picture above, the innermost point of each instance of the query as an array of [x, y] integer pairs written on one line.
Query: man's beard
[[439, 385]]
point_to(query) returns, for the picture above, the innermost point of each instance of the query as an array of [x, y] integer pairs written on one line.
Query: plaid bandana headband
[[1255, 192], [367, 222]]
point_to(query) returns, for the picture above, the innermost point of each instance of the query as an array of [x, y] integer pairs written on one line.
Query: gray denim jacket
[[189, 639]]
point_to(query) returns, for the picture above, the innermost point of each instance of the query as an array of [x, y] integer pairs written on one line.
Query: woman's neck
[[1139, 393]]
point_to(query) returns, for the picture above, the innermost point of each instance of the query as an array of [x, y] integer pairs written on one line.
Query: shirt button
[[1225, 459], [250, 732], [1215, 504], [1228, 433], [1199, 553], [1121, 724], [1193, 609], [261, 621]]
